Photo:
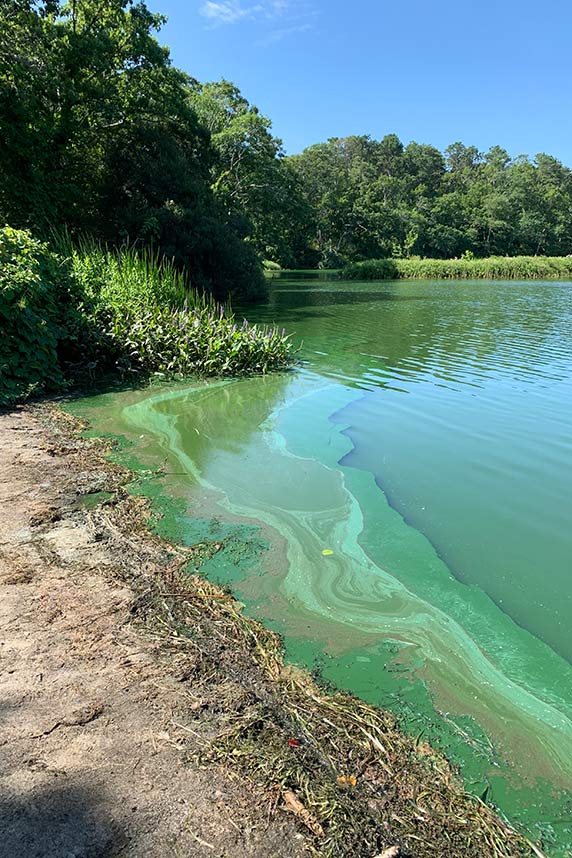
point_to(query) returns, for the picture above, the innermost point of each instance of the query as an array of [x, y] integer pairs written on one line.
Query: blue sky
[[434, 71]]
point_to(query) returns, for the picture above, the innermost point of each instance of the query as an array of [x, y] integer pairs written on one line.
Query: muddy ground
[[93, 761], [142, 715]]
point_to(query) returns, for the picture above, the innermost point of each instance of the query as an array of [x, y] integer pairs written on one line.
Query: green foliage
[[376, 199], [86, 308], [466, 268], [156, 323], [98, 134], [257, 188], [102, 135], [30, 316], [331, 260], [117, 281], [200, 341], [372, 269]]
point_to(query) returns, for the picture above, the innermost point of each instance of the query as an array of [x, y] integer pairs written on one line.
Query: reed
[[78, 311], [157, 323], [491, 268]]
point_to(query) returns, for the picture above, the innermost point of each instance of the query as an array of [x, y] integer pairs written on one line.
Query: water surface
[[426, 446]]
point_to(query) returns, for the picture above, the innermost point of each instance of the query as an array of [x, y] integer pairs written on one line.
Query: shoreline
[[504, 269], [314, 770]]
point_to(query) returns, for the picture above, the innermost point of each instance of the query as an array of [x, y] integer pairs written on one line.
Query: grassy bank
[[492, 268], [79, 311]]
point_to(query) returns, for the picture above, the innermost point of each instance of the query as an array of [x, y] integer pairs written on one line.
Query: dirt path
[[95, 758]]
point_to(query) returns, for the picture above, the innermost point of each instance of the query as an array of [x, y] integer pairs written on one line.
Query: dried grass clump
[[356, 783]]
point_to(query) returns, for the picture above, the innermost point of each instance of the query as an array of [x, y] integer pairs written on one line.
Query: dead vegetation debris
[[355, 783]]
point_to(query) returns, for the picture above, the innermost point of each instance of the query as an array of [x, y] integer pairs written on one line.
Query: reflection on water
[[426, 443]]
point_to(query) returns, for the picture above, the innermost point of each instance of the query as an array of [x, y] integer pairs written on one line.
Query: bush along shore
[[465, 268], [79, 312]]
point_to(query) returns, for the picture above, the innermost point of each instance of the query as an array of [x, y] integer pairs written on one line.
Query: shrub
[[85, 306], [32, 291], [373, 269]]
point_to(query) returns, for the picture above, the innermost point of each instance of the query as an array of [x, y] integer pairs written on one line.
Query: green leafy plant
[[157, 323], [84, 306], [30, 316]]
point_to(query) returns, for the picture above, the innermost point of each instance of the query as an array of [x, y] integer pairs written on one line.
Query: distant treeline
[[374, 199], [101, 134]]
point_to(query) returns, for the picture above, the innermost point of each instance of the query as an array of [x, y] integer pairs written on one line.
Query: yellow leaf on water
[[327, 551]]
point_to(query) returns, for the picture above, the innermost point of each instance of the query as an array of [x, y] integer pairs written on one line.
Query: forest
[[129, 191], [100, 133]]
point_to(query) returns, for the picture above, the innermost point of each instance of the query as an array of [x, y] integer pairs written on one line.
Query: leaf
[[294, 805]]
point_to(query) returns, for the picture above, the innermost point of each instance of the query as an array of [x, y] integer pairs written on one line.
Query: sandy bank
[[142, 715]]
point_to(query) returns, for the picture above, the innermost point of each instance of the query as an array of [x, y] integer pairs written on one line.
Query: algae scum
[[399, 510]]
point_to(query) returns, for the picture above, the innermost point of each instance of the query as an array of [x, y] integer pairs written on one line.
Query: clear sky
[[435, 71]]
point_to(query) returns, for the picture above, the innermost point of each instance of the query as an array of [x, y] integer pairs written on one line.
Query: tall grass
[[126, 278], [85, 307], [492, 268], [161, 325]]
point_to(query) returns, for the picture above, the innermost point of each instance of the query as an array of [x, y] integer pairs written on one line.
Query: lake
[[399, 508]]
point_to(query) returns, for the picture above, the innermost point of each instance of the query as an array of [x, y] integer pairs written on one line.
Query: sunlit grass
[[160, 324], [491, 268]]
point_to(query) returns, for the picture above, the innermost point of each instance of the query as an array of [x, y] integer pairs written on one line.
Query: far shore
[[464, 268]]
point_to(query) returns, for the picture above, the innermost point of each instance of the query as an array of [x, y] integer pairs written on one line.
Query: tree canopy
[[98, 133], [376, 199], [101, 135]]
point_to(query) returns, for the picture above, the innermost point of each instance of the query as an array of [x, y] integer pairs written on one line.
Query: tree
[[99, 135], [258, 191]]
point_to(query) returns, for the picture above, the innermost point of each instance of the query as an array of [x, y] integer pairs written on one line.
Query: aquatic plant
[[198, 341], [466, 268], [158, 323], [84, 308]]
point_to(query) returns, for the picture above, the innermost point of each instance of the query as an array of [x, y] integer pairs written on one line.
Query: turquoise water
[[425, 444], [465, 421]]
